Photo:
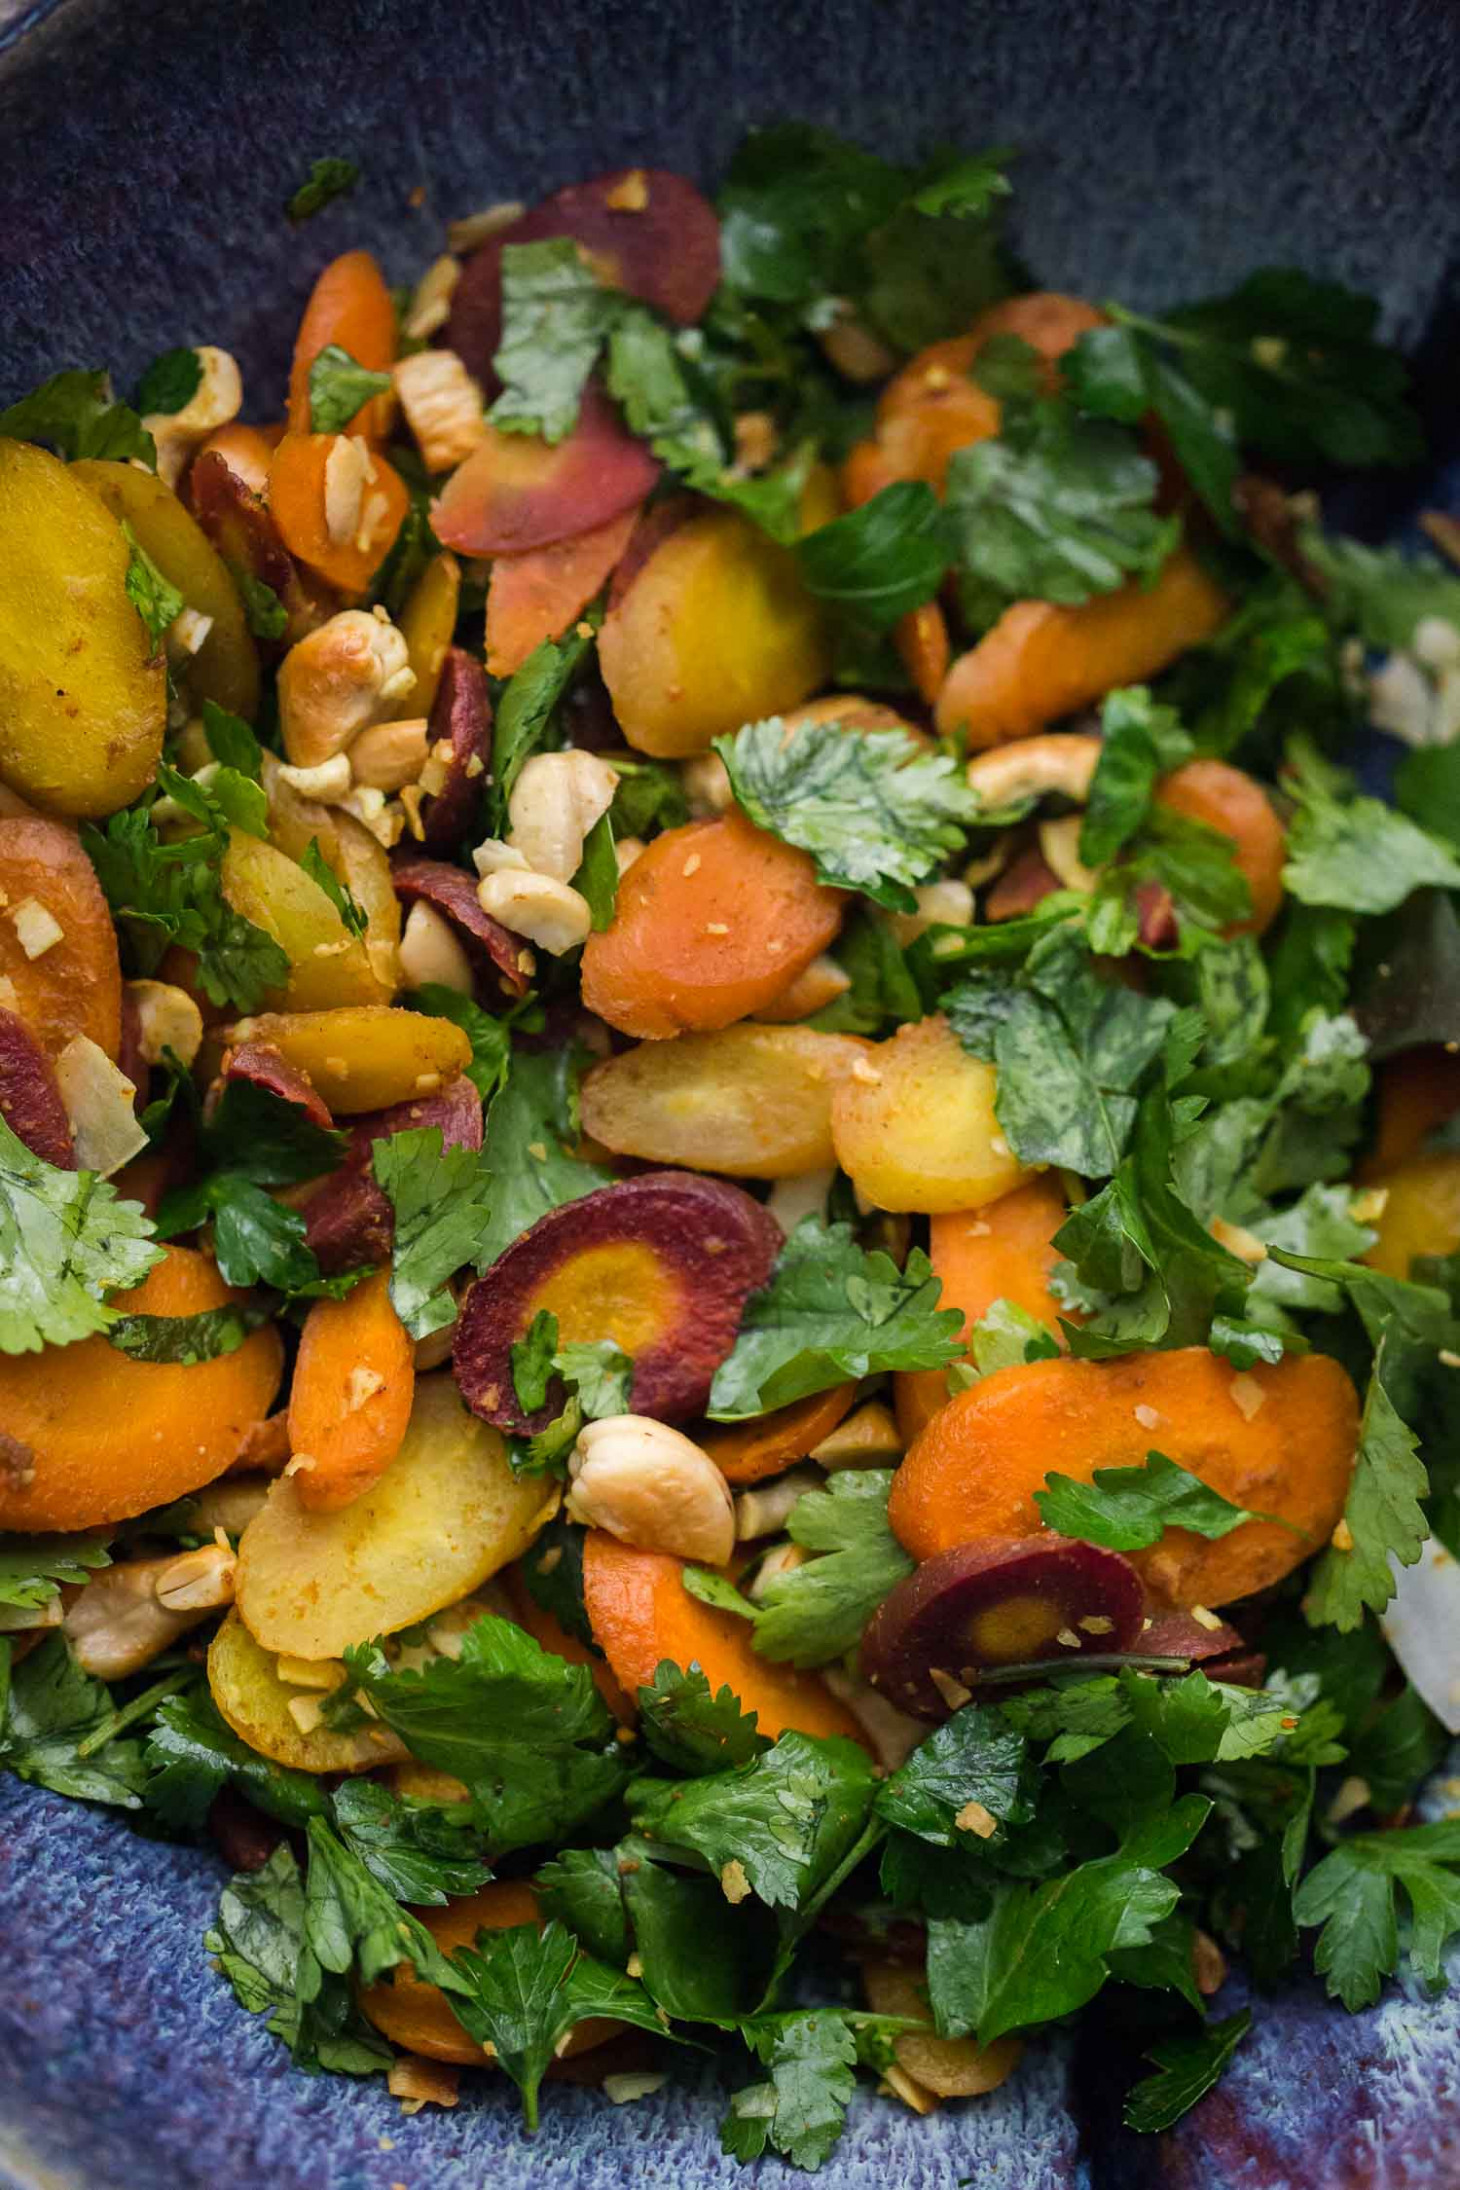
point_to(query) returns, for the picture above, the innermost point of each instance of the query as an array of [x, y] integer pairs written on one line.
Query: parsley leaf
[[691, 1728], [191, 1756], [974, 1756], [1381, 593], [75, 414], [264, 612], [1140, 741], [525, 1157], [832, 1311], [328, 179], [597, 876], [526, 1990], [1186, 2068], [1054, 507], [170, 382], [158, 603], [788, 1818], [258, 1944], [339, 389], [231, 741], [35, 1569], [811, 2057], [817, 1611], [440, 1197], [1352, 1893], [421, 1852], [877, 818], [556, 317], [882, 560], [66, 1239], [55, 1726], [1125, 1509], [206, 1336], [1383, 1514]]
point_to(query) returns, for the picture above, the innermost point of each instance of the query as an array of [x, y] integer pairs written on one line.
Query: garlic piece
[[650, 1485]]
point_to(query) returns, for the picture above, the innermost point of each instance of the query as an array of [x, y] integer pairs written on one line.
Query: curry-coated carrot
[[641, 1613], [1276, 1440], [714, 920], [95, 1436], [299, 503], [418, 2016], [351, 1396], [350, 307], [545, 1628], [747, 1452], [1417, 1091], [1236, 806], [537, 594], [1041, 661], [1004, 1251]]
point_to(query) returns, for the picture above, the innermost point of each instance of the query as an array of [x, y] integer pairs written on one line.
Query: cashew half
[[127, 1615], [649, 1485], [337, 681], [216, 400], [442, 405], [547, 912], [555, 801], [1062, 761]]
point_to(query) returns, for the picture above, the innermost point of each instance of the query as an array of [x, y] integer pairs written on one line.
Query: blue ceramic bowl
[[146, 153]]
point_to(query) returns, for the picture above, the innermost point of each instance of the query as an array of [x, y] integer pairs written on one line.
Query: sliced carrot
[[714, 920], [1417, 1091], [74, 985], [104, 1436], [545, 1628], [921, 639], [418, 2015], [747, 1452], [1004, 1251], [351, 307], [536, 595], [1236, 806], [1277, 1440], [351, 1397], [1041, 661], [641, 1613], [297, 491]]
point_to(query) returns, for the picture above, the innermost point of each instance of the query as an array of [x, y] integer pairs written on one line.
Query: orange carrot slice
[[298, 504], [536, 595], [350, 306], [351, 1397]]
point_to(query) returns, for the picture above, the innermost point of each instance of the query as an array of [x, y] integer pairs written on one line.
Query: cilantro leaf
[[1358, 854], [525, 1990], [1125, 1509], [1054, 507], [35, 1569], [206, 1336], [419, 1851], [258, 1944], [1140, 741], [339, 389], [877, 818], [75, 414], [690, 1727], [1125, 371], [556, 317], [158, 603], [976, 1756], [1352, 1893], [787, 1819], [816, 1612], [170, 382], [55, 1726], [264, 612], [596, 878], [440, 1198], [1186, 2068], [490, 1038], [1381, 593], [1383, 1516], [881, 560], [583, 1889], [527, 1732], [231, 741], [328, 179], [66, 1240], [525, 1156], [832, 1311], [811, 2057]]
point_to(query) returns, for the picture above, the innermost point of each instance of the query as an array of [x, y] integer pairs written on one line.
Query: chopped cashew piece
[[548, 913], [430, 306], [167, 1018], [417, 2082], [867, 1438], [431, 950], [944, 904], [473, 229], [650, 1485], [556, 800], [1062, 761], [492, 856], [706, 782], [760, 1512], [337, 681], [442, 406], [37, 930], [119, 1623], [391, 754], [329, 782], [197, 1581], [217, 398], [780, 1559], [1059, 845]]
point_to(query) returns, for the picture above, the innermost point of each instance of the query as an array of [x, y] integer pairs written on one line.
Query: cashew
[[167, 1018], [339, 680], [229, 1504], [626, 849], [185, 635], [217, 398], [430, 306], [328, 782], [431, 950], [383, 817], [760, 1512], [556, 800], [23, 1619], [648, 1485], [944, 904], [780, 1559], [417, 2082], [99, 1105], [893, 1735], [390, 755], [706, 782], [442, 405], [790, 1200], [1034, 767], [547, 912], [867, 1439], [816, 986], [473, 229], [1059, 845], [492, 856], [120, 1623]]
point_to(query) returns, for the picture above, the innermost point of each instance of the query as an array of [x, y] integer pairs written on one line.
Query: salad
[[729, 1185]]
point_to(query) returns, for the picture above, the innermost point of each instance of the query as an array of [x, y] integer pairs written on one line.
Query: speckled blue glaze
[[1167, 145]]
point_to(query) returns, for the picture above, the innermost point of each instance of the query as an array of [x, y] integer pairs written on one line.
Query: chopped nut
[[473, 229], [974, 1818], [1342, 1538], [431, 951], [99, 1100], [389, 755], [442, 406], [197, 1581], [1096, 1623], [1353, 1794], [944, 904], [631, 2084], [1057, 761], [167, 1019], [1068, 1639], [430, 306], [1208, 1964], [630, 194], [1205, 1618], [1247, 1395], [953, 1692], [733, 1882], [1238, 1241], [907, 2088], [867, 1438], [347, 471], [549, 913], [1146, 1416], [555, 802], [760, 1512], [866, 1073], [337, 681], [217, 398], [307, 1713], [417, 2083], [363, 1384]]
